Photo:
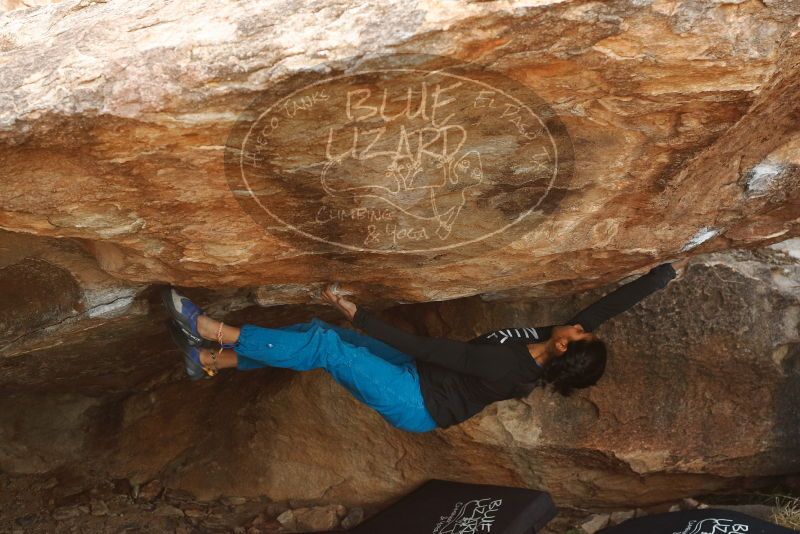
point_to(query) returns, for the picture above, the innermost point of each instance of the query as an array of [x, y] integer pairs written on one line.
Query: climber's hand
[[680, 267], [345, 306]]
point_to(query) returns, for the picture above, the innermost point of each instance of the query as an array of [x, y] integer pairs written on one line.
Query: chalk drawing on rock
[[435, 192], [411, 155]]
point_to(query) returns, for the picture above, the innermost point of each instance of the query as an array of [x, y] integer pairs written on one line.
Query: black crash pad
[[441, 507], [707, 521]]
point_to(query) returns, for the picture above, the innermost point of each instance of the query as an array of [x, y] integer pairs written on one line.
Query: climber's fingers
[[680, 265], [329, 296], [345, 306]]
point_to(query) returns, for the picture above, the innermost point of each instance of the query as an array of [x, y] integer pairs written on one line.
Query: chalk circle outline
[[426, 72]]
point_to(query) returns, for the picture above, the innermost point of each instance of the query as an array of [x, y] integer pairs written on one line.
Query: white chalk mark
[[702, 235], [762, 178]]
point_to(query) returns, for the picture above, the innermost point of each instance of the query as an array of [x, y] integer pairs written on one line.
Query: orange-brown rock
[[679, 120]]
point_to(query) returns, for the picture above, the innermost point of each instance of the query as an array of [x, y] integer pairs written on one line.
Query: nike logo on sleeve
[[501, 336]]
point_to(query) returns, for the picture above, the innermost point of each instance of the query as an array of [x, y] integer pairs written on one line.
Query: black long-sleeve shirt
[[458, 379]]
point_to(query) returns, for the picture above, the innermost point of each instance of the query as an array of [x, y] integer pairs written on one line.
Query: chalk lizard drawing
[[413, 187]]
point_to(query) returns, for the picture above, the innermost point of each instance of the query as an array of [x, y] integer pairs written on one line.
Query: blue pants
[[375, 373]]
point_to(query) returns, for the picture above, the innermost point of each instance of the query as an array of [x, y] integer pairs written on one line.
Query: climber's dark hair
[[581, 366]]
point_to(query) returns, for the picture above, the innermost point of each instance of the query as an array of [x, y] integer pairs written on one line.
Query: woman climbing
[[416, 383]]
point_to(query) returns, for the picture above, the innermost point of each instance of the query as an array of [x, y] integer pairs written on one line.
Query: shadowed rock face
[[41, 293], [679, 120]]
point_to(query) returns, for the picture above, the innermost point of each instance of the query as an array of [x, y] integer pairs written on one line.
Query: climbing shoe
[[185, 313], [191, 353]]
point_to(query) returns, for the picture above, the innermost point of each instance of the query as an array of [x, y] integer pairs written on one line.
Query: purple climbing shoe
[[184, 312], [191, 353]]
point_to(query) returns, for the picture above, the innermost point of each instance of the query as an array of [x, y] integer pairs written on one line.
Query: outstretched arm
[[624, 297], [590, 318]]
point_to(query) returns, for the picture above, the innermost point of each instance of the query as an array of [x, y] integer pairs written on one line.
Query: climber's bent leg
[[390, 389], [226, 358], [375, 346], [210, 328]]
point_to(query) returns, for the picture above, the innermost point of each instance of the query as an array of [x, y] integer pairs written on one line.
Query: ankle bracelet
[[213, 370], [219, 336]]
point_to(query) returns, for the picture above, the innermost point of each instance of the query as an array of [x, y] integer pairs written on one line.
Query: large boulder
[[665, 126]]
